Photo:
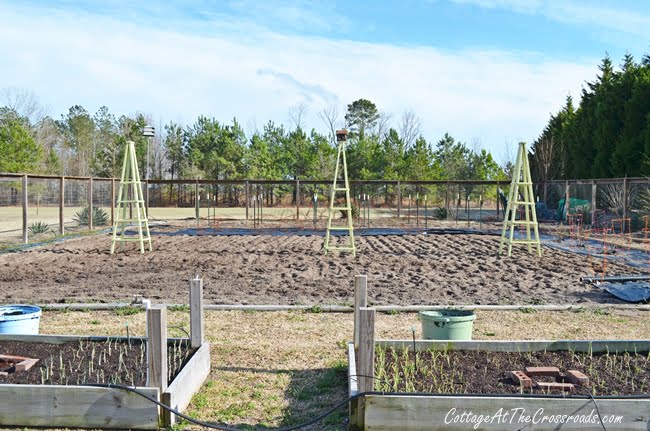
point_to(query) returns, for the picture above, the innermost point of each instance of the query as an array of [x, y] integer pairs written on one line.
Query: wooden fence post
[[247, 198], [594, 207], [112, 201], [498, 199], [61, 204], [366, 363], [196, 312], [146, 197], [399, 199], [360, 300], [624, 203], [157, 347], [567, 200], [90, 203], [297, 199], [24, 199]]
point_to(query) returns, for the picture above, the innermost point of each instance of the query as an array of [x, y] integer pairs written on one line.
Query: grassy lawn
[[281, 368]]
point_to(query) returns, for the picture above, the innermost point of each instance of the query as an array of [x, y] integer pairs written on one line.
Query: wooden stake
[[196, 312], [157, 347], [366, 363], [360, 300]]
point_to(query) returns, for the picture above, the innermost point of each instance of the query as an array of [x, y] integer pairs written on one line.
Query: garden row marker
[[341, 165], [522, 184], [130, 183]]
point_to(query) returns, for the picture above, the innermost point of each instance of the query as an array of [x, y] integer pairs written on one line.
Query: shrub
[[441, 213], [100, 217], [39, 227]]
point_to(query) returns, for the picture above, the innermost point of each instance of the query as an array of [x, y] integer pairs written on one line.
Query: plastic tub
[[447, 324], [19, 319]]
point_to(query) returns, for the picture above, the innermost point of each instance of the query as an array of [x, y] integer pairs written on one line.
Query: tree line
[[80, 143], [607, 135]]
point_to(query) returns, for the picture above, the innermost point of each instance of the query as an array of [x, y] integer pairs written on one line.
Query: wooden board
[[181, 390], [612, 346], [386, 412], [76, 406]]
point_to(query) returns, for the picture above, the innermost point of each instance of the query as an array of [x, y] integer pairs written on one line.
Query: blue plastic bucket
[[19, 319]]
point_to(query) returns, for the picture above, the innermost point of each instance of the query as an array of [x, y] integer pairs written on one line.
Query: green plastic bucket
[[447, 324]]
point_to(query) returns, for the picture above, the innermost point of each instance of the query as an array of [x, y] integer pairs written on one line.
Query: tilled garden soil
[[268, 269], [473, 372], [79, 362]]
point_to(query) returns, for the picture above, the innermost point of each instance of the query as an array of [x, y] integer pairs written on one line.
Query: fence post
[[447, 200], [146, 197], [498, 199], [90, 203], [247, 198], [567, 200], [360, 300], [112, 201], [594, 197], [157, 347], [61, 204], [196, 312], [366, 363], [196, 201], [624, 203], [399, 199], [24, 199], [297, 199]]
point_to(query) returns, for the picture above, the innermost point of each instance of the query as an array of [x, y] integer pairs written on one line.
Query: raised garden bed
[[93, 360], [48, 395], [473, 388], [59, 391]]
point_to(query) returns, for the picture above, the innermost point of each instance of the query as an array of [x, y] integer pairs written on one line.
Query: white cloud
[[635, 22], [75, 58]]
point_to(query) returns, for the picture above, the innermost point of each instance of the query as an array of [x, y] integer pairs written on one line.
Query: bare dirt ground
[[402, 270]]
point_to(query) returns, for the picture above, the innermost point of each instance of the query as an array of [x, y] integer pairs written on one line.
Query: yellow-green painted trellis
[[131, 183], [522, 185], [341, 166]]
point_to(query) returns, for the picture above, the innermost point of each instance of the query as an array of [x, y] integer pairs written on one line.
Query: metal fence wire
[[596, 203]]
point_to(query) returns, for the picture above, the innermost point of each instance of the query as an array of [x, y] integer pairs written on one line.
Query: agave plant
[[39, 227], [100, 217], [441, 213], [355, 212]]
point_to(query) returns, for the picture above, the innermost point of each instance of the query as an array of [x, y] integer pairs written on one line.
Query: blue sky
[[489, 72]]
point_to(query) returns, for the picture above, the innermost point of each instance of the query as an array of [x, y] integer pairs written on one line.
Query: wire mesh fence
[[622, 206]]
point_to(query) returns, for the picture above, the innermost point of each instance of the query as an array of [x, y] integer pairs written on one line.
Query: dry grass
[[280, 368]]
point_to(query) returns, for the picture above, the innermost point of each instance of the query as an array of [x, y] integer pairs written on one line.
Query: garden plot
[[266, 269], [468, 384]]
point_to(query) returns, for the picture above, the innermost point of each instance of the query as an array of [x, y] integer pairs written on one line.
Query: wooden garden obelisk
[[341, 167], [521, 185], [130, 195]]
